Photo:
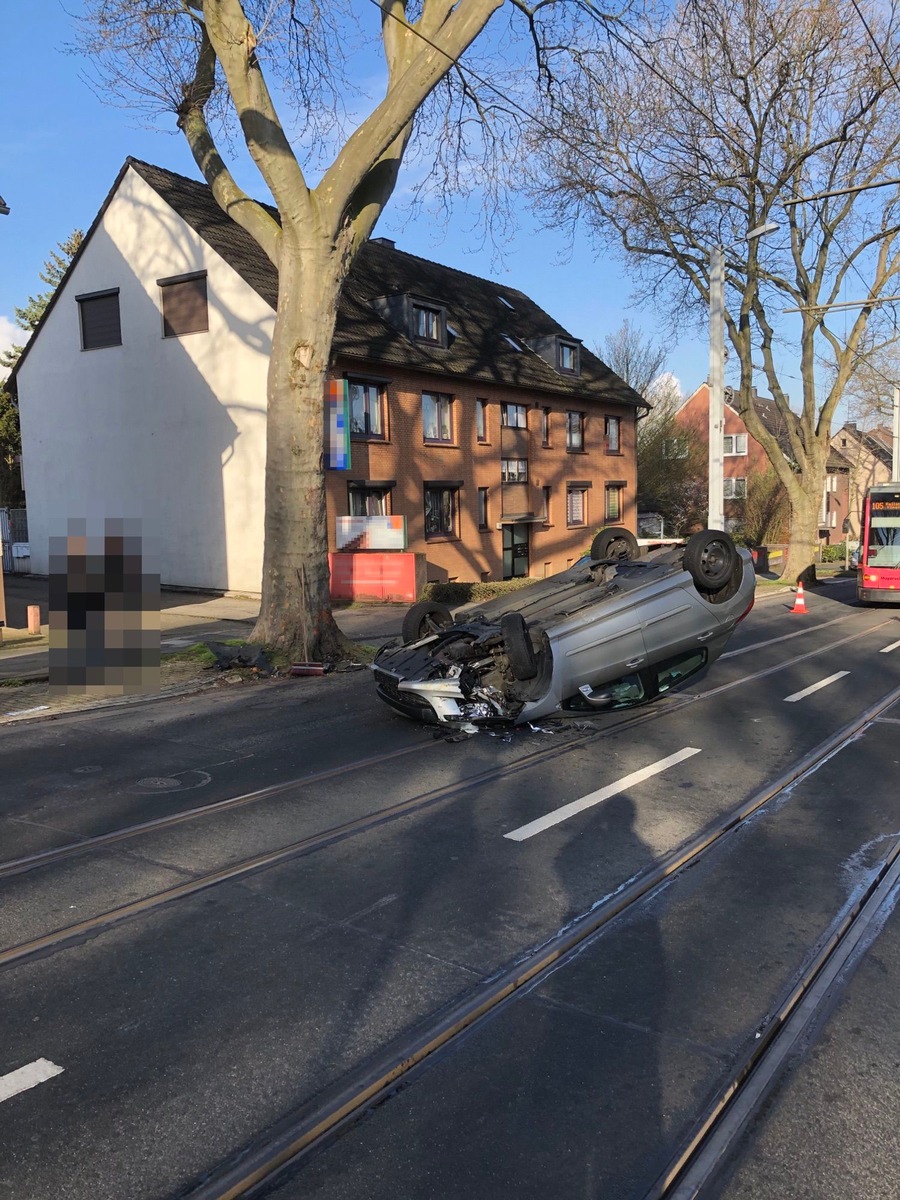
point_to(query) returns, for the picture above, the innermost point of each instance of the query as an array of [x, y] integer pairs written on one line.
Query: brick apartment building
[[502, 441], [497, 436], [855, 460], [743, 456]]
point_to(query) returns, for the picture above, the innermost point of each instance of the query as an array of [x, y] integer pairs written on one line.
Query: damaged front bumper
[[442, 701]]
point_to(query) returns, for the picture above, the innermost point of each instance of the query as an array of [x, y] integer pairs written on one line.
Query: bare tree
[[202, 60], [876, 372], [671, 461], [765, 509], [634, 357], [691, 135]]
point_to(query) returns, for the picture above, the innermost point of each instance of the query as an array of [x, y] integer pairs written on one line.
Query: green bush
[[834, 553], [455, 594]]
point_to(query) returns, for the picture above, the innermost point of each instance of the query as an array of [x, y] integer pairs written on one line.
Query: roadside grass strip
[[27, 1077], [815, 687], [604, 793]]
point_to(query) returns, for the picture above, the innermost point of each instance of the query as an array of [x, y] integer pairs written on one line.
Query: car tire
[[711, 558], [615, 542], [424, 617], [519, 650]]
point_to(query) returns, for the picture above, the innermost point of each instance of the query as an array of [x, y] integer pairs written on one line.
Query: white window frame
[[441, 401], [734, 487], [518, 413], [513, 470], [576, 514], [738, 443]]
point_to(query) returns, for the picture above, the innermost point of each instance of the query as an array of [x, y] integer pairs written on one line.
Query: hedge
[[464, 593]]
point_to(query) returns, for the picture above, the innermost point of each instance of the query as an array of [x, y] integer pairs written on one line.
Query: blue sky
[[61, 148]]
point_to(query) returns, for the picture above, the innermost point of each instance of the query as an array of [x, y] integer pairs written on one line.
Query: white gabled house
[[119, 419]]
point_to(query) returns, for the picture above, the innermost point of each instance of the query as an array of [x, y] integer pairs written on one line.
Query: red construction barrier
[[374, 576]]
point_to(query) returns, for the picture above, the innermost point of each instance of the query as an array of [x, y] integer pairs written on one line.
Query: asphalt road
[[188, 1029]]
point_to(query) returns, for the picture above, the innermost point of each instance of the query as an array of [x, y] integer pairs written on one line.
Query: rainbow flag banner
[[337, 426]]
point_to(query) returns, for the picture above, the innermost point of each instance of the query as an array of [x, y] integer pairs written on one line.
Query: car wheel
[[710, 557], [519, 650], [423, 618], [615, 542]]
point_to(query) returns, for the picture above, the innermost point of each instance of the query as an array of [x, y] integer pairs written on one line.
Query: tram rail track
[[755, 1075], [86, 845], [72, 934], [336, 1108]]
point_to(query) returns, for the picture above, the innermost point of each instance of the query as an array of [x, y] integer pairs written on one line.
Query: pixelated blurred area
[[104, 626]]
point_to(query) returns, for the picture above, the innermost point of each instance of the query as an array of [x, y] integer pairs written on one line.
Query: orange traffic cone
[[800, 602]]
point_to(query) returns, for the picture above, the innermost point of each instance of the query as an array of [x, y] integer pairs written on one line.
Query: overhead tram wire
[[874, 42], [588, 7]]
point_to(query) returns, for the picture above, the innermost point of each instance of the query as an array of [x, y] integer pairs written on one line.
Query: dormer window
[[428, 323], [567, 357]]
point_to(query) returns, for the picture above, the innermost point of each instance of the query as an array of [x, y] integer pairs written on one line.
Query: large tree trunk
[[801, 551], [295, 614]]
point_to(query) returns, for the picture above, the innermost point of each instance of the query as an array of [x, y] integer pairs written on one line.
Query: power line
[[874, 42]]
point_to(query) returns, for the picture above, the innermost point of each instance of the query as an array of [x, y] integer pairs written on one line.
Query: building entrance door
[[515, 551]]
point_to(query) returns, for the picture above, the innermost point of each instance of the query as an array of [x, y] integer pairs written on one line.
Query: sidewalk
[[185, 618]]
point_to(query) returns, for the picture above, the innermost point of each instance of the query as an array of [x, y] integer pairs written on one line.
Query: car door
[[598, 648], [674, 619]]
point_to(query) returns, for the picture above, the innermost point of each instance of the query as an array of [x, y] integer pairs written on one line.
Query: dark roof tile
[[474, 306]]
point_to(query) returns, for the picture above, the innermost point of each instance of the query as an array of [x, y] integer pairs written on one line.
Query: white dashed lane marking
[[604, 793], [36, 1072], [888, 649], [815, 687]]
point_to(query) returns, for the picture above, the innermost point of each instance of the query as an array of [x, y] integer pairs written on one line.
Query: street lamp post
[[716, 512], [716, 518]]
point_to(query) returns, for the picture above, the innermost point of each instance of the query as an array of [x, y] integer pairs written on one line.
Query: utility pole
[[716, 508]]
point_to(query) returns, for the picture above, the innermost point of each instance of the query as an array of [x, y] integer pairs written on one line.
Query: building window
[[734, 489], [576, 506], [184, 305], [428, 323], [514, 416], [366, 409], [574, 431], [437, 421], [675, 447], [440, 511], [567, 357], [545, 426], [613, 428], [547, 491], [513, 470], [614, 501], [482, 508], [735, 444], [481, 420], [369, 502], [99, 316]]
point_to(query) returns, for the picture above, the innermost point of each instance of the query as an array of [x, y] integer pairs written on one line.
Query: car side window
[[674, 671]]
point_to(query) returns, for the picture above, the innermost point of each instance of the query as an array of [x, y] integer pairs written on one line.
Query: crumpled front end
[[454, 678]]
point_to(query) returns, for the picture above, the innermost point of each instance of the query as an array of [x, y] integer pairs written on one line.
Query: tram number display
[[886, 508]]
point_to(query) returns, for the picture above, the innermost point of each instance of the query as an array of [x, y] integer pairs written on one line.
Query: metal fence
[[14, 533]]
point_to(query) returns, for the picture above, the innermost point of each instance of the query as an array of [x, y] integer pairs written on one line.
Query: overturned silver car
[[614, 631]]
